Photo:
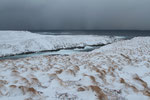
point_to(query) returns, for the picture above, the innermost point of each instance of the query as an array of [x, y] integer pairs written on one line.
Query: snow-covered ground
[[17, 42], [118, 71]]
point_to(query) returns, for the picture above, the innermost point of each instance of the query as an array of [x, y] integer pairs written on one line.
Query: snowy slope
[[16, 42], [119, 71]]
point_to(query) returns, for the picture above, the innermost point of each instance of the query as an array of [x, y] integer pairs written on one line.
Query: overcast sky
[[74, 14]]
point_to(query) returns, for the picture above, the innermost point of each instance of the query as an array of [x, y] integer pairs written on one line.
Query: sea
[[127, 33]]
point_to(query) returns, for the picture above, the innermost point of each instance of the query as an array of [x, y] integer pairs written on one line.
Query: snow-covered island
[[118, 71]]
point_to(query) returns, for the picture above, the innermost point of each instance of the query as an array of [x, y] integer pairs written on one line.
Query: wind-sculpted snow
[[17, 42], [119, 71]]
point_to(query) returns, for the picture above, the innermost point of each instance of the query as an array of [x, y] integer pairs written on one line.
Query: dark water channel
[[54, 52]]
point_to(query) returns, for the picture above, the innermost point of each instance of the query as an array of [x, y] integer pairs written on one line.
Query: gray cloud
[[74, 14]]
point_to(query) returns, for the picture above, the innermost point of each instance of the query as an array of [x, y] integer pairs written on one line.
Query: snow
[[17, 42], [118, 71]]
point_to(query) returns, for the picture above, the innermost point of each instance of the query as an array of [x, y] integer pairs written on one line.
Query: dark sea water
[[127, 33]]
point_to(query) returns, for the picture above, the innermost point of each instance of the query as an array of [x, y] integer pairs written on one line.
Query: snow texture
[[118, 71], [17, 42]]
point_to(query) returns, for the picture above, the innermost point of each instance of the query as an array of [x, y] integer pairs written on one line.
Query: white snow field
[[17, 42], [118, 71]]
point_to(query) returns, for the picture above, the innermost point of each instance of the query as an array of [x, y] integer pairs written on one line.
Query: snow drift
[[17, 42], [119, 71]]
